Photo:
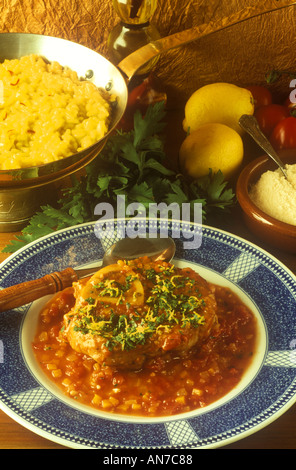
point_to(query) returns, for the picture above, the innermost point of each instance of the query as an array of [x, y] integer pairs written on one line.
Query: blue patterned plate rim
[[253, 272]]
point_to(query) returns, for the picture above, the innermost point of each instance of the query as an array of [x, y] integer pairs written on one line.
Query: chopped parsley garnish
[[174, 300], [112, 288]]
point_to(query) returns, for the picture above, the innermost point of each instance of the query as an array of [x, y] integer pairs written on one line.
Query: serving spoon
[[157, 249], [250, 124]]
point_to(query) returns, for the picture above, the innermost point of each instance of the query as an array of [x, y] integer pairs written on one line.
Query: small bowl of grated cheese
[[268, 200]]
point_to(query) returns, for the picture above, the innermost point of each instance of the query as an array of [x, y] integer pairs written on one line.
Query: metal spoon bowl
[[157, 249]]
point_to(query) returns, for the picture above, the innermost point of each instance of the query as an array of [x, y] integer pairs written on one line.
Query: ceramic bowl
[[275, 233]]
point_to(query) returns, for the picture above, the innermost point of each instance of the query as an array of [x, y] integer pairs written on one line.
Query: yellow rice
[[47, 113]]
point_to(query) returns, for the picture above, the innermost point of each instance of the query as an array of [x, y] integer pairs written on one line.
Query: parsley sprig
[[131, 164]]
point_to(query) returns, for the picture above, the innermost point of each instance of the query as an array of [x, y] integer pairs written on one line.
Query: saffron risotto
[[47, 113]]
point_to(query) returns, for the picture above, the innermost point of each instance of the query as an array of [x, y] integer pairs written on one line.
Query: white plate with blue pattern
[[266, 391]]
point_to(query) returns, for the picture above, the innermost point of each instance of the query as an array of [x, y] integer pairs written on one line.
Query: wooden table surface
[[281, 434]]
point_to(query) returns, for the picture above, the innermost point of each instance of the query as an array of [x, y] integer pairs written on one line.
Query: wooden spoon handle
[[21, 294]]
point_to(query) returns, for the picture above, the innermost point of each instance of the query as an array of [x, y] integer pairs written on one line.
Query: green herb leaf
[[150, 125], [130, 164]]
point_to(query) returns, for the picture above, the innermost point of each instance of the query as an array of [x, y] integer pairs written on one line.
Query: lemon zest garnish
[[165, 309]]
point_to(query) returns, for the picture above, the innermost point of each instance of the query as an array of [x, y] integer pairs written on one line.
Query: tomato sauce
[[161, 387]]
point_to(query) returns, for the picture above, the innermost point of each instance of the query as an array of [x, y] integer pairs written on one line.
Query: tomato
[[284, 134], [269, 116], [137, 93], [261, 95]]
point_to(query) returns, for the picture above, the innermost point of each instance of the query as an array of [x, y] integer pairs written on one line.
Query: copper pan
[[94, 67]]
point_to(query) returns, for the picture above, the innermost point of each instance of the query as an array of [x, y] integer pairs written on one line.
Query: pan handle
[[130, 64]]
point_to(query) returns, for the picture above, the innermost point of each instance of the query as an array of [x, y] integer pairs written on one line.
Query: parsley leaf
[[130, 164]]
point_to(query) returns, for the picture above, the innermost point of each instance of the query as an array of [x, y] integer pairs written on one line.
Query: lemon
[[218, 102], [212, 146]]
